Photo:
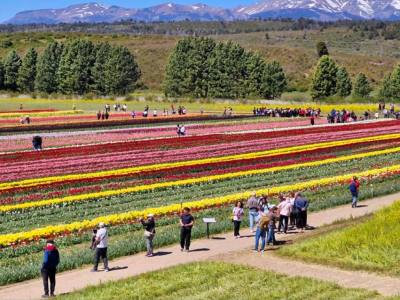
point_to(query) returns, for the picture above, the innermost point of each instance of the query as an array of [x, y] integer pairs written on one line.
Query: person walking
[[101, 242], [149, 233], [301, 205], [186, 222], [252, 204], [51, 259], [37, 143], [262, 221], [354, 187], [272, 216], [285, 209], [238, 213]]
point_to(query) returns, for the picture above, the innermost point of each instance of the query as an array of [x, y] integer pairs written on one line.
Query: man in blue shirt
[[186, 222], [51, 259]]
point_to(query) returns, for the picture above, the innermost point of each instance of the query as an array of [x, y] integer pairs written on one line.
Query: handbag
[[148, 234]]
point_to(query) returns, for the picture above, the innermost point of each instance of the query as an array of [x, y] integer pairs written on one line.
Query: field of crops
[[117, 176]]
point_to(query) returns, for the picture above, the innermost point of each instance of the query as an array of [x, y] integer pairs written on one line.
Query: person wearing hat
[[101, 243], [51, 259], [149, 233]]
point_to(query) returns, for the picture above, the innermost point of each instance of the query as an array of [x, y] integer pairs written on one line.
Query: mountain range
[[323, 10]]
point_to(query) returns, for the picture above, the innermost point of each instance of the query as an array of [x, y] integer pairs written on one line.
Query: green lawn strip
[[371, 245], [218, 280], [69, 212]]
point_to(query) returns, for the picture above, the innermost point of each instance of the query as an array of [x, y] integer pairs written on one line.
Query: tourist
[[149, 233], [155, 113], [312, 119], [21, 107], [182, 130], [262, 221], [285, 209], [178, 130], [115, 107], [106, 115], [93, 244], [101, 247], [238, 213], [186, 222], [252, 205], [272, 216], [98, 115], [51, 259], [292, 216], [37, 142], [301, 205], [133, 114], [103, 116], [354, 187], [124, 107]]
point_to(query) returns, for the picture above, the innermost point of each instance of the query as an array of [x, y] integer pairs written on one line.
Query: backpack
[[264, 222]]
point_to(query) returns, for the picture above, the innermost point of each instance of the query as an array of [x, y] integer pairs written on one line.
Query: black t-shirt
[[187, 219]]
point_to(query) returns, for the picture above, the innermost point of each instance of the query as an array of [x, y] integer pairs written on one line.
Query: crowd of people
[[341, 116], [265, 220], [286, 112]]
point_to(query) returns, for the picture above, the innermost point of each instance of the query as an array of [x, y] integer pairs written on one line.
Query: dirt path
[[206, 249]]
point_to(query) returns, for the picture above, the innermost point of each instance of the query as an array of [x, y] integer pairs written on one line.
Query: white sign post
[[208, 221]]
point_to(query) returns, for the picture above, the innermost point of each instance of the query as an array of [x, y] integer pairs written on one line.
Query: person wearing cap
[[51, 259], [149, 233], [101, 243]]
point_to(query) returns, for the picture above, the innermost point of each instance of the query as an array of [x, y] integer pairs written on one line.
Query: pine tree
[[325, 78], [27, 72], [322, 49], [122, 72], [387, 89], [47, 67], [1, 75], [12, 63], [274, 81], [395, 83], [103, 52], [74, 72], [362, 87], [344, 85]]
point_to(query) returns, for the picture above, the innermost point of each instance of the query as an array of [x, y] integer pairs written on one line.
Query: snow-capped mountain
[[314, 9], [326, 9]]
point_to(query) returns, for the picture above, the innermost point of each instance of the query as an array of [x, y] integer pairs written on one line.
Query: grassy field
[[214, 280], [373, 245], [295, 50]]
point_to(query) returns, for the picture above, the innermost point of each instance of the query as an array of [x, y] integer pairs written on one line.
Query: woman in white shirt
[[238, 213]]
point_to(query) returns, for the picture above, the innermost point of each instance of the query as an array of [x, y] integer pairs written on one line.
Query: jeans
[[260, 234], [100, 253], [354, 201], [186, 234], [149, 244], [271, 235], [283, 222], [252, 218], [236, 227], [49, 274]]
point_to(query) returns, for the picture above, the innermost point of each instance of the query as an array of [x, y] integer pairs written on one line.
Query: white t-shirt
[[103, 236]]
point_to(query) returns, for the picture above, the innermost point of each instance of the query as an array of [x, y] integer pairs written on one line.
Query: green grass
[[216, 280], [373, 245]]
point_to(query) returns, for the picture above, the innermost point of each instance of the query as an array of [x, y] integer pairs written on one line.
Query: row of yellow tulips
[[115, 219], [133, 170], [89, 196], [41, 114]]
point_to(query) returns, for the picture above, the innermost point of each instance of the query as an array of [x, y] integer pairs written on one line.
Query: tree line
[[201, 67], [75, 67]]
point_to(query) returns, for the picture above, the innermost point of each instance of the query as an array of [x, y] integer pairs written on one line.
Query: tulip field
[[119, 175]]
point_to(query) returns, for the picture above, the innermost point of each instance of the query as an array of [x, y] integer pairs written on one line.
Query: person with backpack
[[149, 233], [261, 231], [101, 245], [354, 187], [51, 259], [272, 218]]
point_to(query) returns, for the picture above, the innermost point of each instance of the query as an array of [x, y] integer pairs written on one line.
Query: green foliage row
[[75, 67], [201, 67]]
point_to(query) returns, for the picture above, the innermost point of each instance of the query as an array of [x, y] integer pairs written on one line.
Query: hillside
[[294, 49]]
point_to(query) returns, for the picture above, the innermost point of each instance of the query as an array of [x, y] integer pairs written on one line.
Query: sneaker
[[93, 270], [45, 296], [107, 270], [187, 250], [150, 255], [255, 250], [181, 249]]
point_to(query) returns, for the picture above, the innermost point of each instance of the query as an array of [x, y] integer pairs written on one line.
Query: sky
[[8, 8]]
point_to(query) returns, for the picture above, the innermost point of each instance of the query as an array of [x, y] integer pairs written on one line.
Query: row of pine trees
[[200, 67], [75, 67]]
